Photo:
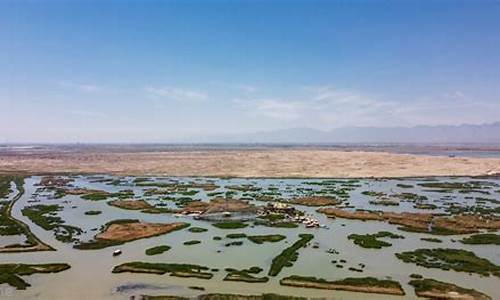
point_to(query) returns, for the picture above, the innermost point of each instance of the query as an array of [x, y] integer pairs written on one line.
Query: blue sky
[[162, 71]]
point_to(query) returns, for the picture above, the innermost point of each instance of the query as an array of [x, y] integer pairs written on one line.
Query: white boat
[[117, 252]]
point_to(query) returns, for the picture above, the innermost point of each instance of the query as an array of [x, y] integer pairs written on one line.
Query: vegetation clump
[[197, 229], [289, 255], [12, 226], [157, 250], [432, 240], [363, 284], [192, 242], [103, 195], [271, 238], [235, 243], [283, 224], [482, 239], [226, 297], [245, 275], [434, 289], [230, 225], [454, 259], [11, 273], [44, 216], [236, 235], [371, 241], [180, 270]]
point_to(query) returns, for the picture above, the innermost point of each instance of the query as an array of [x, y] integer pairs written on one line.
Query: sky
[[163, 71]]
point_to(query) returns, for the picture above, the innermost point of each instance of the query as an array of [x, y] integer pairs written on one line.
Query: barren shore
[[272, 162]]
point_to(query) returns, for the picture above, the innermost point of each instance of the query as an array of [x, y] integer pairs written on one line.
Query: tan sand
[[125, 232], [249, 163], [130, 204]]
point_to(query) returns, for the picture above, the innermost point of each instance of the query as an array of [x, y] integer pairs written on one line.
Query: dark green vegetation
[[289, 255], [10, 273], [180, 270], [235, 243], [45, 217], [8, 225], [482, 239], [226, 297], [230, 225], [283, 224], [454, 259], [97, 196], [157, 250], [364, 284], [435, 289], [197, 229], [371, 241], [193, 242], [462, 187], [5, 183], [245, 275], [236, 235], [434, 230], [373, 193], [12, 226], [432, 240], [272, 238], [404, 186], [93, 212]]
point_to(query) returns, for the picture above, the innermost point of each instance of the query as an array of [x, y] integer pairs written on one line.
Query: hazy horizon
[[178, 70]]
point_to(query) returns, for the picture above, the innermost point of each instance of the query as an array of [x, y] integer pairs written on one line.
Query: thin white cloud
[[177, 94], [87, 88], [86, 113], [272, 108], [246, 88], [326, 107]]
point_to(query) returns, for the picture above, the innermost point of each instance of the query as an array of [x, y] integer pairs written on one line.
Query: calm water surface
[[90, 275]]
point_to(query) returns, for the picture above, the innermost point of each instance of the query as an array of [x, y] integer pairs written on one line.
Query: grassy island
[[226, 297], [180, 270], [371, 241], [11, 273], [197, 229], [364, 284], [12, 226], [482, 239], [118, 232], [434, 289], [245, 275], [230, 225], [157, 250], [454, 259], [193, 242], [289, 255], [271, 238], [44, 216]]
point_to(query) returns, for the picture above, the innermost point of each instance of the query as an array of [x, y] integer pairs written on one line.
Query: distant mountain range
[[484, 133]]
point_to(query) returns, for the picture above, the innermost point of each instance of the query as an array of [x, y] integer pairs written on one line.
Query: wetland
[[246, 237]]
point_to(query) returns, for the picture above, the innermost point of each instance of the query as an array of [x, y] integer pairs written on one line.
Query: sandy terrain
[[271, 162], [130, 204], [459, 224], [132, 231]]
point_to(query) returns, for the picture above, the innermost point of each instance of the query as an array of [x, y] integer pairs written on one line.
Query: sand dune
[[248, 163]]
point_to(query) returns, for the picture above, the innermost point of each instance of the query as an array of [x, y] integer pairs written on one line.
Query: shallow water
[[90, 275]]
